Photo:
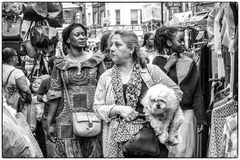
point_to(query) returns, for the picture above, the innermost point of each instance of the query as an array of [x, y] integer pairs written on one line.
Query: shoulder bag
[[145, 144], [85, 124]]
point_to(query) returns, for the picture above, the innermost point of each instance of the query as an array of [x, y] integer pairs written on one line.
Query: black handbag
[[145, 145]]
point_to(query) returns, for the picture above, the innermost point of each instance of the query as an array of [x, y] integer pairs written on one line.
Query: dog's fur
[[160, 100]]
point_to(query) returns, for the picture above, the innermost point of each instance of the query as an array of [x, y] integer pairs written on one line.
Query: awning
[[199, 17], [180, 18], [151, 12]]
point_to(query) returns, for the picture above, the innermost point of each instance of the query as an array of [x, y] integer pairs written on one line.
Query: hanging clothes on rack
[[230, 145], [219, 117], [223, 107], [210, 31]]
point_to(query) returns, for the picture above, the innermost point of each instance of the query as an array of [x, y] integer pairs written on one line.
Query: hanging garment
[[227, 63], [217, 41], [53, 12], [229, 33], [17, 138], [218, 120], [235, 79], [230, 136], [210, 24], [186, 133], [205, 72], [11, 28]]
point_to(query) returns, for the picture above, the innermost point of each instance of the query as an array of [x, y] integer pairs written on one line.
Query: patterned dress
[[81, 80]]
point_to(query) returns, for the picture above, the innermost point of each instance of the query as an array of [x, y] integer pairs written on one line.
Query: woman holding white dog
[[120, 90], [169, 42]]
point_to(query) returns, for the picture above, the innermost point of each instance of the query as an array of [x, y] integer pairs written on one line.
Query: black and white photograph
[[119, 79]]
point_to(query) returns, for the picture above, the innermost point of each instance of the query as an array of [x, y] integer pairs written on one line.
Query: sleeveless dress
[[81, 80]]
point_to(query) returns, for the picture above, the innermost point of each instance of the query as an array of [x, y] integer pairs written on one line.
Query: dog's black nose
[[158, 106]]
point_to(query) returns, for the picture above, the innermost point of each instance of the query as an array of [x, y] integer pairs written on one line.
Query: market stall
[[30, 28]]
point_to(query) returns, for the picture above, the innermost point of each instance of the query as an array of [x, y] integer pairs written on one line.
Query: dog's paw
[[163, 137], [173, 140]]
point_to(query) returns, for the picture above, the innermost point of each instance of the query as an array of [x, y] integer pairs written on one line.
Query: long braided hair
[[161, 36]]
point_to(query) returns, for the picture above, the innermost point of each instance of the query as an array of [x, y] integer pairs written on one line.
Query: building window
[[134, 16], [89, 18], [67, 14], [117, 16], [102, 15], [95, 18]]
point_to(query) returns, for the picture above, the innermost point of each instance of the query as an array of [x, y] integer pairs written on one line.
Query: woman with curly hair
[[169, 42]]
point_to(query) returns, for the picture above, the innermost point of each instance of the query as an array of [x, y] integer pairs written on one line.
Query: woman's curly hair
[[161, 36]]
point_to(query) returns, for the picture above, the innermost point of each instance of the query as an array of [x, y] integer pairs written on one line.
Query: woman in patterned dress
[[120, 90], [80, 71]]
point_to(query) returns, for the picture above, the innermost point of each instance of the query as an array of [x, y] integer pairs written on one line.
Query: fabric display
[[217, 64], [16, 132], [40, 10], [222, 28], [229, 137], [219, 116], [11, 32]]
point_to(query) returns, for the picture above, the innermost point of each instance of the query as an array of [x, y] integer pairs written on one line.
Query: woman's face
[[150, 41], [36, 84], [77, 38], [178, 42], [119, 51]]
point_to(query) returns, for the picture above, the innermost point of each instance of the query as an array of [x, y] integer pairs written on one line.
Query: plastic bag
[[18, 140]]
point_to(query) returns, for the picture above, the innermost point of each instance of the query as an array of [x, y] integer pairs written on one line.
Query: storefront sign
[[173, 4], [136, 28]]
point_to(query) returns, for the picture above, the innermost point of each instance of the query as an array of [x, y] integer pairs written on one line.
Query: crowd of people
[[110, 82]]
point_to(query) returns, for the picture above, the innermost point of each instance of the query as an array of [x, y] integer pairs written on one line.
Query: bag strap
[[9, 76], [151, 74], [28, 32], [65, 88]]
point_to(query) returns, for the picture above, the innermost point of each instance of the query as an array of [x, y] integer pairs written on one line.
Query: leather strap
[[65, 88], [9, 76]]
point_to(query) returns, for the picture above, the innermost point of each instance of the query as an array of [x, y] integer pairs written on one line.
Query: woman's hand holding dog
[[126, 112]]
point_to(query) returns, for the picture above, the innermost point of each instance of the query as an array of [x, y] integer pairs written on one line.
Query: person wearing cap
[[80, 71]]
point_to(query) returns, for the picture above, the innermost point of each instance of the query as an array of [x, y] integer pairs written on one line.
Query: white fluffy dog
[[162, 110]]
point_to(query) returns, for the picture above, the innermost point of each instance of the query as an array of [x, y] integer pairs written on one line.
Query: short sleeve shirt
[[16, 73]]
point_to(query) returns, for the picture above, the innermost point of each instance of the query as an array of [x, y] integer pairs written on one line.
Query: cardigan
[[104, 95], [185, 74]]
